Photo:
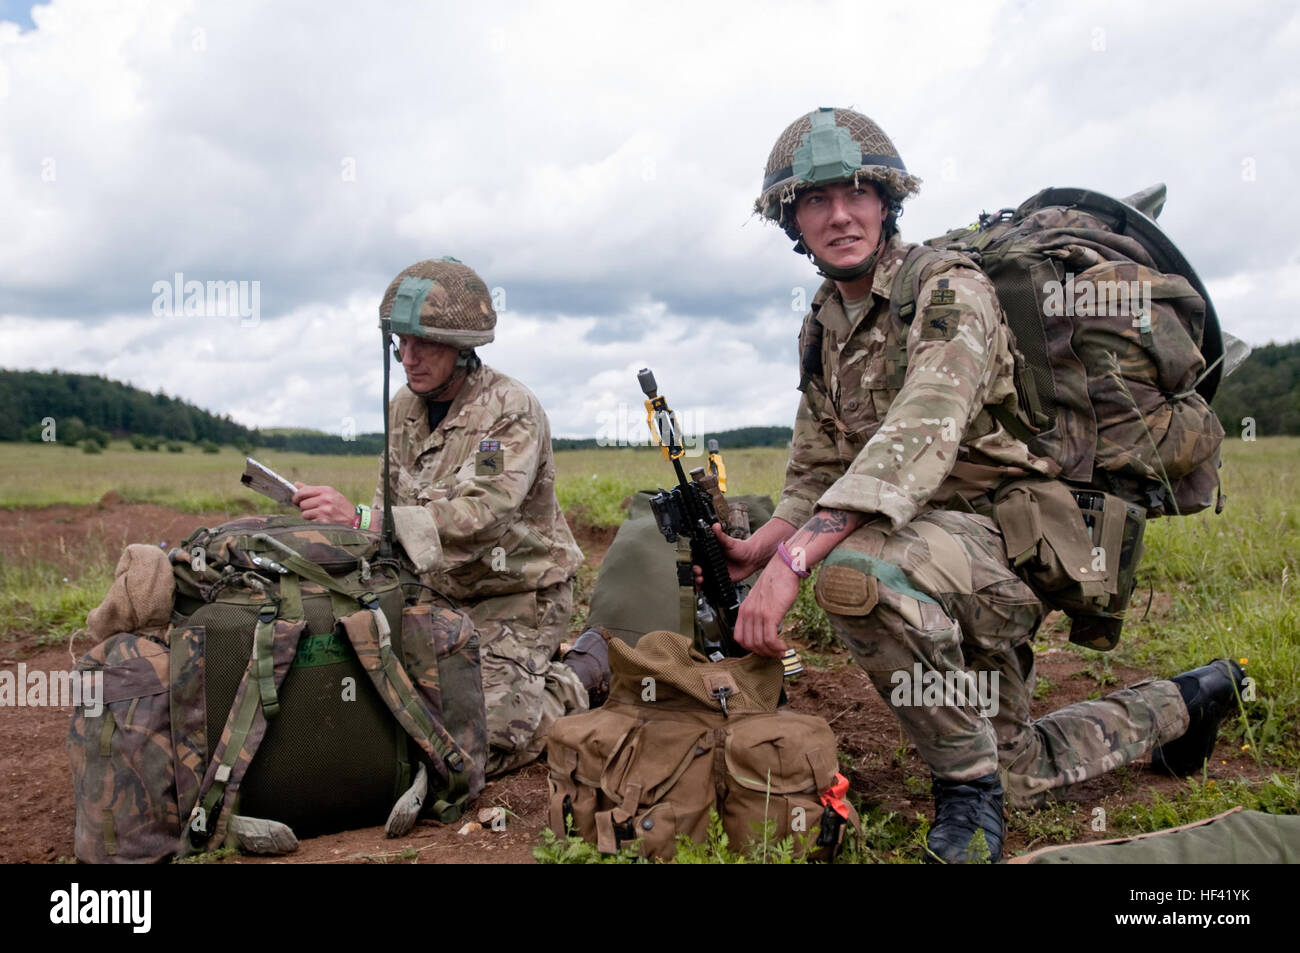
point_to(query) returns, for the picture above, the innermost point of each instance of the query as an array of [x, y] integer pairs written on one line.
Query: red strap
[[834, 796]]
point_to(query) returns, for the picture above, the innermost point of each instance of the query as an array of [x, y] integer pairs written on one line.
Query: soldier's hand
[[323, 504], [758, 623], [743, 559]]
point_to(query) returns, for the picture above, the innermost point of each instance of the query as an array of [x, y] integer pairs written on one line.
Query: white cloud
[[595, 161]]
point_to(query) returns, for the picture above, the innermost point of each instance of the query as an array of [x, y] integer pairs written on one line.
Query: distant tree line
[[27, 398], [727, 439], [89, 408], [1265, 389], [86, 408], [313, 441]]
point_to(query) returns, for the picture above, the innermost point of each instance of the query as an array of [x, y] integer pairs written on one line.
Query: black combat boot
[[960, 809], [589, 659], [1210, 692]]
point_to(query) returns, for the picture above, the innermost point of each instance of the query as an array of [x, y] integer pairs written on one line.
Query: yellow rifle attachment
[[716, 467], [657, 407]]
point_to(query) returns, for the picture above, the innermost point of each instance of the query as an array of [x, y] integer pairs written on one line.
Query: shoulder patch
[[489, 462], [939, 324], [943, 295]]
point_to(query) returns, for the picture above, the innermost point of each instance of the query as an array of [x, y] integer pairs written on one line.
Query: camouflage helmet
[[441, 300], [831, 145]]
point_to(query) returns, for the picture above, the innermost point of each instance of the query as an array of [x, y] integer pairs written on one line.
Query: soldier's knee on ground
[[522, 706]]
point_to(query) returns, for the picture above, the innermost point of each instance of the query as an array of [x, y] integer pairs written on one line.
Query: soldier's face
[[840, 222], [428, 364]]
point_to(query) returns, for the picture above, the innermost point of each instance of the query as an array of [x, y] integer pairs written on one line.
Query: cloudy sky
[[596, 163]]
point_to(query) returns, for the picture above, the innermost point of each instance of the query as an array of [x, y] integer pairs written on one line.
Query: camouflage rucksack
[[680, 736], [1120, 344], [297, 683], [1119, 353]]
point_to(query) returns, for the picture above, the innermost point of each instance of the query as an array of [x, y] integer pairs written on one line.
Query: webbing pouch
[[1049, 544], [1117, 527], [122, 754], [441, 656]]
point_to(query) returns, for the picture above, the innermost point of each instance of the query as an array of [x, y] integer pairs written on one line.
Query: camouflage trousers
[[943, 627], [524, 688]]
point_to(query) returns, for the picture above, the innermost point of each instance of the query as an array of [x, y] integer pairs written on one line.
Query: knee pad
[[853, 583], [846, 590]]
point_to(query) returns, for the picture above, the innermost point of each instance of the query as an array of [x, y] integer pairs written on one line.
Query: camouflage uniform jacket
[[869, 437], [487, 477]]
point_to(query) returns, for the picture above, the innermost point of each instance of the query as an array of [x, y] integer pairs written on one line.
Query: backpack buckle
[[721, 686]]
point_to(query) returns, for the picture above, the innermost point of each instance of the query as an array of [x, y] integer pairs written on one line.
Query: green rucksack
[[1118, 354], [297, 683], [637, 590], [1120, 347]]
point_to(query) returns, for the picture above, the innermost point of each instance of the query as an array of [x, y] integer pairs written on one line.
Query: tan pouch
[[778, 766], [577, 750]]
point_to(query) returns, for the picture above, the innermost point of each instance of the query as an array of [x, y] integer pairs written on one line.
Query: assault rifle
[[687, 512]]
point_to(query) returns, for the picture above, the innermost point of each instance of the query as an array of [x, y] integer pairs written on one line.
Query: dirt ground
[[36, 806]]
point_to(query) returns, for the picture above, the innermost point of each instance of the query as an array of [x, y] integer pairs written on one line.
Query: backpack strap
[[367, 630], [810, 343], [274, 645], [369, 635], [921, 264]]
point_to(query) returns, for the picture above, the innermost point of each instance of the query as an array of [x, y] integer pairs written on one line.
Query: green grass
[[1233, 581], [1277, 794], [593, 483], [35, 474], [38, 598]]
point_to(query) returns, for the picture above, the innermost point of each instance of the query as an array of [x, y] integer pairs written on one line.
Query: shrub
[[99, 436]]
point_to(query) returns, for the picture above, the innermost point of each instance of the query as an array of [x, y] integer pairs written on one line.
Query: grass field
[[1221, 585], [592, 481]]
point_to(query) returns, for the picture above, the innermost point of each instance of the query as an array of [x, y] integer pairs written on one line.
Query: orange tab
[[834, 796]]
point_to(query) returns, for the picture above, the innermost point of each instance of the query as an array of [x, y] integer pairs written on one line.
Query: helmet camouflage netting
[[441, 300], [831, 145]]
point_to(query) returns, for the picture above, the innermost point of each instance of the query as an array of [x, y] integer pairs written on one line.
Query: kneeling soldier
[[878, 452]]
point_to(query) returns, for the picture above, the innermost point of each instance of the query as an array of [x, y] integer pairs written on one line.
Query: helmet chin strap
[[467, 361], [843, 273]]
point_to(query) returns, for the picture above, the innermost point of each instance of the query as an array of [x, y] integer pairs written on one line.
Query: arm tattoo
[[822, 523], [827, 521]]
